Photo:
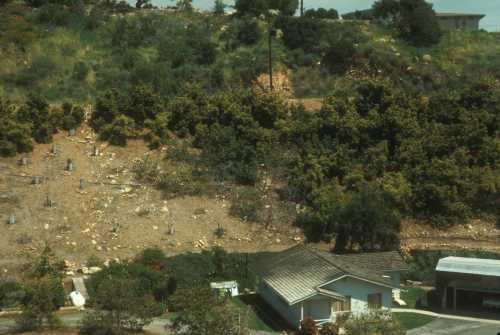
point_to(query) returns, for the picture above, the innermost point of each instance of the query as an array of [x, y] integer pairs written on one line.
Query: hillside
[[401, 132], [69, 55]]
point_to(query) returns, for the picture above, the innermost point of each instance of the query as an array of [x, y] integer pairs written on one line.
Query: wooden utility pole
[[301, 7], [270, 55]]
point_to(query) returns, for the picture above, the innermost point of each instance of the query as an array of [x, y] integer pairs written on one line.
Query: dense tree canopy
[[422, 151], [33, 119], [414, 19], [261, 7], [322, 13]]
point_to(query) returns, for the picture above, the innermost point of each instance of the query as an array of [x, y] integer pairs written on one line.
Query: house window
[[375, 301]]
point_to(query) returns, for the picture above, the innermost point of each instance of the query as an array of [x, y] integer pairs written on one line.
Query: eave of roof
[[450, 14], [475, 266]]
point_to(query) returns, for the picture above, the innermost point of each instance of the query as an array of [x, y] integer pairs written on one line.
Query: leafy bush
[[308, 327], [203, 313], [42, 297], [97, 323], [146, 169], [11, 294], [33, 119], [374, 323], [242, 31], [329, 329], [247, 204], [43, 294], [119, 130], [54, 14], [80, 71]]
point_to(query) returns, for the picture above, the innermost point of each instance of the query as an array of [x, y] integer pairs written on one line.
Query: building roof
[[449, 14], [477, 266], [299, 272]]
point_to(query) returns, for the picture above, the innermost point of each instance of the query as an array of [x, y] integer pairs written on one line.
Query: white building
[[229, 288], [304, 283]]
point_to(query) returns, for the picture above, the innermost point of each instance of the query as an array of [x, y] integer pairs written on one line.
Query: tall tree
[[261, 7], [142, 4], [219, 7], [415, 20], [185, 5]]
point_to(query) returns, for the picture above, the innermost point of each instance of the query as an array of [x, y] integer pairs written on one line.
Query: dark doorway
[[450, 295], [469, 300]]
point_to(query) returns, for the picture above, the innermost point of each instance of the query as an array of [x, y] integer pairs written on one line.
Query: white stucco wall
[[319, 307], [395, 278], [359, 290]]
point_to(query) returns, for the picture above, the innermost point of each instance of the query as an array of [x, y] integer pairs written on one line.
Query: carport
[[468, 283]]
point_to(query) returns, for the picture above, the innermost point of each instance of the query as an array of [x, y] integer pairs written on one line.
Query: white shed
[[229, 288]]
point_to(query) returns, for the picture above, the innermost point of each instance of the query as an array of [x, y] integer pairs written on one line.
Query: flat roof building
[[468, 283], [449, 21]]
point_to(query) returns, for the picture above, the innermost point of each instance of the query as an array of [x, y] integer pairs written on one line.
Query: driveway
[[456, 327]]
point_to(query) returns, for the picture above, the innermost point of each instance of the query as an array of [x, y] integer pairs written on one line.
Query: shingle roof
[[297, 273], [382, 261], [478, 266]]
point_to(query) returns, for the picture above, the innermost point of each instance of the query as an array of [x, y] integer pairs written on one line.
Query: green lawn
[[412, 320], [411, 295]]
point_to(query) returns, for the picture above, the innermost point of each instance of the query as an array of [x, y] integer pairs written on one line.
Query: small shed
[[468, 283], [227, 288]]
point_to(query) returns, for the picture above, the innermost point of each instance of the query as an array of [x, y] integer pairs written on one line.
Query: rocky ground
[[112, 216]]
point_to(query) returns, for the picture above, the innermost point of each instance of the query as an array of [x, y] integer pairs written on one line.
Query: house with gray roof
[[303, 282]]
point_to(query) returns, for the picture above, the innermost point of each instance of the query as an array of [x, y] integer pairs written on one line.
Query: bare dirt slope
[[112, 216], [476, 235]]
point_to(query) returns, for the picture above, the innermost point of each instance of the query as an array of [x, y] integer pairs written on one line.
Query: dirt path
[[476, 235]]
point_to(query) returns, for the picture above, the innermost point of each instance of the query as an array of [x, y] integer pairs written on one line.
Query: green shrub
[[54, 14], [11, 294], [247, 204], [119, 130], [179, 182], [80, 71], [7, 148], [94, 261], [43, 297], [146, 170], [244, 31], [374, 323], [97, 323]]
